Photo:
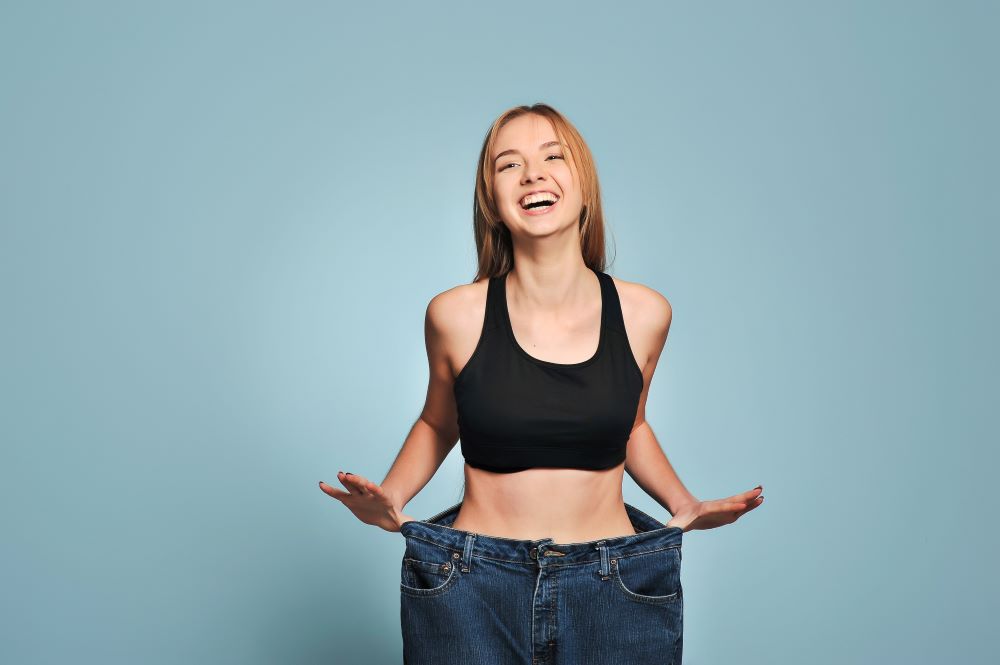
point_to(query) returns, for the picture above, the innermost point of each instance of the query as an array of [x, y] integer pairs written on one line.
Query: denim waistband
[[651, 535]]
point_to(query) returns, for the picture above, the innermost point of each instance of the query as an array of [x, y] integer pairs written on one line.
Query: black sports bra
[[516, 412]]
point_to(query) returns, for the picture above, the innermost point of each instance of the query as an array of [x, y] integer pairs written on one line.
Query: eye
[[505, 166]]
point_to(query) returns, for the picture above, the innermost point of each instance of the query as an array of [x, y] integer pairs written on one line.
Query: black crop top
[[516, 412]]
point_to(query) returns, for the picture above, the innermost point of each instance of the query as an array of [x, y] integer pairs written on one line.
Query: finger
[[375, 489], [333, 491], [747, 496], [354, 483], [750, 506], [364, 485], [372, 488], [726, 506]]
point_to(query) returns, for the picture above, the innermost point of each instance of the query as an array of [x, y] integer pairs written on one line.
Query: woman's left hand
[[717, 512]]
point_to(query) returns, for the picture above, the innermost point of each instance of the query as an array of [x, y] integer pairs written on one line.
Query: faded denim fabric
[[471, 598]]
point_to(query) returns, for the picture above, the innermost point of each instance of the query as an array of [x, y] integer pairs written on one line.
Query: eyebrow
[[541, 147]]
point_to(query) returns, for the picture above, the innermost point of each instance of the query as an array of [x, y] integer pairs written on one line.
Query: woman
[[541, 367]]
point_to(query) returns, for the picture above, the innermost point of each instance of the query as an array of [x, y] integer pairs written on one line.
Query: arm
[[648, 466], [645, 461], [436, 430]]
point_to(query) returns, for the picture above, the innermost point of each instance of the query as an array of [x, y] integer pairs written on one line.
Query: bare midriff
[[567, 505]]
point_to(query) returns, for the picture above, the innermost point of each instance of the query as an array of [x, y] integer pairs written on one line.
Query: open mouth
[[539, 209], [538, 202]]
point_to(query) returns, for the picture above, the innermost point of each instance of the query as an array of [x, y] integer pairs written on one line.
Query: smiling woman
[[534, 137], [541, 368]]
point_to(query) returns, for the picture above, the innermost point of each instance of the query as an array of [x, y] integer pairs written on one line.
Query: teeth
[[539, 196]]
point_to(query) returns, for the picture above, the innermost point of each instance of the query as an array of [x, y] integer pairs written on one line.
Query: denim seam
[[658, 549], [436, 591], [641, 598], [436, 544]]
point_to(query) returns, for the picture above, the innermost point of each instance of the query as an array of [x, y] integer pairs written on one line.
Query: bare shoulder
[[453, 322], [647, 315], [643, 308], [457, 306]]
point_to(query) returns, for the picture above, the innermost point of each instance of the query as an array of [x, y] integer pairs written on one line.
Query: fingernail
[[321, 482], [758, 487], [348, 473]]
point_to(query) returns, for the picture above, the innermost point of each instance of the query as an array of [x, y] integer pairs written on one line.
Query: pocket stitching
[[642, 598], [434, 591]]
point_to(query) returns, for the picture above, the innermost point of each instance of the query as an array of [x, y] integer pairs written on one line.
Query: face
[[529, 158]]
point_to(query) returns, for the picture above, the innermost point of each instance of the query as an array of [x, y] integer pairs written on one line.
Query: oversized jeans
[[471, 598]]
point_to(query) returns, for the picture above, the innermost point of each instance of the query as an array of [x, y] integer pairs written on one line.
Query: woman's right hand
[[368, 501]]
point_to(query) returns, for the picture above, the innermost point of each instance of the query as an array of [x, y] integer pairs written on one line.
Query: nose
[[533, 171]]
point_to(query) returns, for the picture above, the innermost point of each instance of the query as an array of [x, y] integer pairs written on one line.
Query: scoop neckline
[[549, 363]]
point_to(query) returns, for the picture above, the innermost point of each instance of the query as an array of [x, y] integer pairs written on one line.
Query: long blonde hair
[[493, 242]]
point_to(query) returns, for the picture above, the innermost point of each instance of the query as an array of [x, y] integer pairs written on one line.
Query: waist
[[650, 535], [566, 505]]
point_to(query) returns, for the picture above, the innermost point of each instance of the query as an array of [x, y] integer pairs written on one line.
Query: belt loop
[[467, 554], [603, 548]]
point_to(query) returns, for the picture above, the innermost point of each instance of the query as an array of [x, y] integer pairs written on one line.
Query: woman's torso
[[567, 505], [511, 397]]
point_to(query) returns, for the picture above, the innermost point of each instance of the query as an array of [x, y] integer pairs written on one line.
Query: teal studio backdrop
[[222, 223]]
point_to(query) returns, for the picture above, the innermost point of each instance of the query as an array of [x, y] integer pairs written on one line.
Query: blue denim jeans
[[472, 598]]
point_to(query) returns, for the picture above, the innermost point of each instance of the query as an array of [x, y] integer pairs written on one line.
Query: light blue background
[[222, 223]]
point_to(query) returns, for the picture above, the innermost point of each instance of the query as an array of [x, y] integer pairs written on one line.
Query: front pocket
[[650, 577], [426, 578]]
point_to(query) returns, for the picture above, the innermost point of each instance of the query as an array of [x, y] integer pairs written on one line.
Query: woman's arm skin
[[645, 461], [434, 433], [436, 430], [650, 314], [648, 466]]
